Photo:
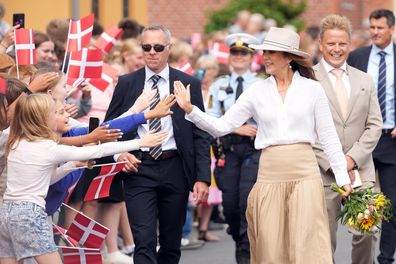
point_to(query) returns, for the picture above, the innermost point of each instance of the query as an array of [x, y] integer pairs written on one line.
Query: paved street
[[222, 252]]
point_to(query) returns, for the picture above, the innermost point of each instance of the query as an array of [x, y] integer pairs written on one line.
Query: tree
[[283, 11]]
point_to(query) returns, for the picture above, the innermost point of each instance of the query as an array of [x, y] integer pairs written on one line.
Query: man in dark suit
[[160, 186], [378, 60]]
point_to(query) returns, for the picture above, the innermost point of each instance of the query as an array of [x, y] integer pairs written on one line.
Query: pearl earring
[[290, 66]]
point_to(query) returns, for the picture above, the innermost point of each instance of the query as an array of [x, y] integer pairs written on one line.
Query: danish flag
[[100, 185], [87, 232], [24, 47], [80, 33], [57, 230], [3, 86], [86, 63], [108, 38], [108, 75], [186, 67], [81, 255], [219, 50]]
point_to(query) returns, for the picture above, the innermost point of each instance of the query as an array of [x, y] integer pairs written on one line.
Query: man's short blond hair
[[335, 22]]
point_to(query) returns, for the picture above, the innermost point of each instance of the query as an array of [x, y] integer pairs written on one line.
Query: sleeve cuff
[[342, 179]]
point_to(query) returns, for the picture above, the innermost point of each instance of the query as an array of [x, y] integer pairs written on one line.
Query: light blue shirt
[[372, 70], [218, 93]]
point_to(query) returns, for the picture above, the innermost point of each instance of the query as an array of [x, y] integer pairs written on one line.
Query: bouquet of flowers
[[364, 210]]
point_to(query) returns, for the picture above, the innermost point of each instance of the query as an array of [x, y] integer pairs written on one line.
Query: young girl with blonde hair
[[32, 158]]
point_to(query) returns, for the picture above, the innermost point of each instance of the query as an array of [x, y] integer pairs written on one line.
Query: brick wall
[[182, 17], [356, 10]]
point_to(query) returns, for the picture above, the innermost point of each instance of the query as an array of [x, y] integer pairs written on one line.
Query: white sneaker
[[117, 258]]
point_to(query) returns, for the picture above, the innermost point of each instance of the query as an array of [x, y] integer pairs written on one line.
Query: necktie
[[382, 84], [155, 123], [239, 88], [341, 91]]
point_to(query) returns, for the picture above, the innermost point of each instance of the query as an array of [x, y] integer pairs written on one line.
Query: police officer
[[237, 160]]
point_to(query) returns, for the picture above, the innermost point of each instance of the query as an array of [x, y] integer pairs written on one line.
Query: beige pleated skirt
[[286, 213]]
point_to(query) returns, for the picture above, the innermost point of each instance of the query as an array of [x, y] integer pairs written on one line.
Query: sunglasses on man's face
[[157, 47], [237, 52]]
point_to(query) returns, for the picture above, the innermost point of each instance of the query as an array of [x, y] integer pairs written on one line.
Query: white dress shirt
[[166, 122], [302, 116]]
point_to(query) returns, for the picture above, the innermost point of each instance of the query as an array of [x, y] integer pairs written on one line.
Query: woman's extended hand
[[183, 96], [143, 101], [162, 109], [151, 139], [103, 134]]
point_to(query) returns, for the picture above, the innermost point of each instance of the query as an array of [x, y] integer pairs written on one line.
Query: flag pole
[[67, 47], [97, 165], [79, 212], [16, 54]]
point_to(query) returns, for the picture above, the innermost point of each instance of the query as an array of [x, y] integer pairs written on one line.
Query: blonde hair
[[129, 46], [335, 22], [30, 121], [179, 50]]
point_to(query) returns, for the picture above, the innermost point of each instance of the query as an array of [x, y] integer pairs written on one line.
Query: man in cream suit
[[357, 117]]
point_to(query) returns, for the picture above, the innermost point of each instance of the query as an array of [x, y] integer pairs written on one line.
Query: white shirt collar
[[164, 73], [329, 68], [388, 49]]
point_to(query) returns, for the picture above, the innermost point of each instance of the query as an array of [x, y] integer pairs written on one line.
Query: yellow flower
[[351, 222], [380, 202], [366, 224]]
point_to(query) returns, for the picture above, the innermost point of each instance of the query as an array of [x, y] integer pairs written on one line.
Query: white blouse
[[302, 117], [33, 166]]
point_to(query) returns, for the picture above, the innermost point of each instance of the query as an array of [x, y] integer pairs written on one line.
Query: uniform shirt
[[166, 122], [304, 114], [218, 94], [372, 70]]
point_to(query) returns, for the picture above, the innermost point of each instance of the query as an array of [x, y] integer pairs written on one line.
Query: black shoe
[[242, 256]]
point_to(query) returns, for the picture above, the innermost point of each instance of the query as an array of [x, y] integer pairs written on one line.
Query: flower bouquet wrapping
[[364, 210]]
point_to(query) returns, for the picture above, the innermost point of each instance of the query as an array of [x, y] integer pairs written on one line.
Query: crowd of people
[[251, 143]]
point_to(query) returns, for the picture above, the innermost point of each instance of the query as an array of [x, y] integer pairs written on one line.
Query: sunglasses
[[157, 47], [242, 52]]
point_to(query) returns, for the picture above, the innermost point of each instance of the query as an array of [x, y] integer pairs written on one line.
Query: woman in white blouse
[[287, 218]]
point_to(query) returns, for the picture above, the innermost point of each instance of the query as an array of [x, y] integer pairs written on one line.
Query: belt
[[144, 155], [387, 131]]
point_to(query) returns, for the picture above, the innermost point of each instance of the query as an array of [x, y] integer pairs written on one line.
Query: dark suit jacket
[[386, 148], [193, 144]]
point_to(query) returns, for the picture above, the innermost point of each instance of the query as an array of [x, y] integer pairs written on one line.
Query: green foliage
[[283, 11]]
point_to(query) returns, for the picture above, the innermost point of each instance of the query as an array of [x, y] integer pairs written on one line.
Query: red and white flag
[[24, 47], [108, 75], [100, 185], [59, 231], [108, 38], [219, 50], [186, 67], [87, 232], [80, 33], [81, 255], [86, 63], [3, 86]]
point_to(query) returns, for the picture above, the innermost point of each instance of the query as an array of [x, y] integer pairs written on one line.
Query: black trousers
[[385, 163], [158, 191], [235, 180]]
